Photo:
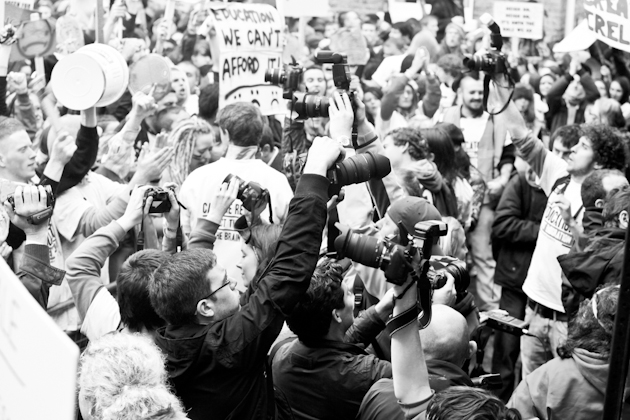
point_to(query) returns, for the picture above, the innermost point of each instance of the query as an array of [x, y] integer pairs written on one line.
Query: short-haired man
[[491, 152], [324, 352], [216, 349], [446, 348], [241, 126], [426, 37], [599, 147]]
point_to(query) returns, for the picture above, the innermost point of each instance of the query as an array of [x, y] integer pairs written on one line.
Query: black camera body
[[41, 216], [492, 61], [308, 105], [289, 78], [252, 195], [443, 265], [161, 202], [395, 260]]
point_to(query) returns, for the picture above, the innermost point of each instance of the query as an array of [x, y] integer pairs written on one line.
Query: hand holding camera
[[137, 207], [29, 207], [323, 154], [341, 117], [172, 216], [228, 192]]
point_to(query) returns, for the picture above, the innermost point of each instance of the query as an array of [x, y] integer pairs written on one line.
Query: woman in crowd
[[620, 91], [443, 154], [258, 246], [454, 39], [604, 111], [573, 385], [192, 141], [122, 376]]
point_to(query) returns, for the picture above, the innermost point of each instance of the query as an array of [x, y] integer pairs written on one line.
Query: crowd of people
[[189, 249]]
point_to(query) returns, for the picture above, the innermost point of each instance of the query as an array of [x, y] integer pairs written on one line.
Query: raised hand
[[341, 115]]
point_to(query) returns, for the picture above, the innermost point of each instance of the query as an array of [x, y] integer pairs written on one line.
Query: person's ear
[[205, 309], [472, 349], [623, 219], [3, 162], [599, 203], [430, 157], [225, 136], [266, 149], [335, 316]]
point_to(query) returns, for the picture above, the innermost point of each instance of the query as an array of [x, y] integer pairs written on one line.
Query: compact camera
[[161, 202]]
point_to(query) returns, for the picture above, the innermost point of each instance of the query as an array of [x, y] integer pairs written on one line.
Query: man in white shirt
[[241, 127], [490, 151], [599, 147]]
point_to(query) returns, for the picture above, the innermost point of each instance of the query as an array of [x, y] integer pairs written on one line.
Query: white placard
[[519, 20], [609, 21], [38, 362], [249, 38], [302, 8], [402, 11]]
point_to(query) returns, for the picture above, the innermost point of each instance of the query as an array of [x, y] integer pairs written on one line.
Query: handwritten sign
[[519, 20], [608, 19], [249, 40], [359, 6], [36, 357]]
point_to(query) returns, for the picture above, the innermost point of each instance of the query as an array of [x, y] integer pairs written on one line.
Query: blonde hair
[[183, 138], [122, 376]]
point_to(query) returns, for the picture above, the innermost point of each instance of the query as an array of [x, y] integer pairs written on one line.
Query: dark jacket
[[557, 115], [515, 230], [218, 370], [600, 263], [328, 379]]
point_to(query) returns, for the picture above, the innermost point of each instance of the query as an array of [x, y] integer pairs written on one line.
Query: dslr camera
[[161, 203], [443, 265], [41, 216], [356, 169], [308, 105], [252, 195], [394, 259], [492, 61]]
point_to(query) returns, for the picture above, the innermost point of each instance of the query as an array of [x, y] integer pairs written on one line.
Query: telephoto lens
[[308, 105], [360, 168], [275, 76]]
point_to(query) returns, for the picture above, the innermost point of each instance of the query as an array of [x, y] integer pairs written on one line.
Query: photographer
[[35, 273], [132, 312], [215, 347]]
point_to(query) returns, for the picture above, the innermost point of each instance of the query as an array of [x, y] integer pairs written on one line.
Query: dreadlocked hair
[[183, 138]]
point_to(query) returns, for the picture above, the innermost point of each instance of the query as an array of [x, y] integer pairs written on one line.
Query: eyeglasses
[[226, 282]]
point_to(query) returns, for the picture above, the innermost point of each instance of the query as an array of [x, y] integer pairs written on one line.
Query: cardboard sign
[[301, 8], [400, 11], [608, 19], [359, 6], [249, 41], [24, 4], [519, 20], [37, 359]]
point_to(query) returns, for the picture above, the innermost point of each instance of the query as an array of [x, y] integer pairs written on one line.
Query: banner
[[249, 38], [519, 20], [359, 6], [38, 362], [608, 19]]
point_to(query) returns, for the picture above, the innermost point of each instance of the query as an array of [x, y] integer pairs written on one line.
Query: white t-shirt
[[473, 129], [544, 278], [388, 67], [203, 183]]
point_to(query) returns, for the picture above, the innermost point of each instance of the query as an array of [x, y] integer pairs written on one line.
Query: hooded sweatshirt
[[565, 388]]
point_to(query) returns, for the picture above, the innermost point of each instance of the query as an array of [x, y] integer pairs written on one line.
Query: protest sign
[[608, 19], [38, 362], [519, 20], [249, 40], [353, 44], [359, 6], [69, 35], [301, 8], [400, 11]]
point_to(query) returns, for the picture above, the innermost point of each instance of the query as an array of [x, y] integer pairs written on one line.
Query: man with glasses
[[216, 348]]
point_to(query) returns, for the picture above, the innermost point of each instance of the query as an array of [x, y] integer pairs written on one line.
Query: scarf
[[241, 153]]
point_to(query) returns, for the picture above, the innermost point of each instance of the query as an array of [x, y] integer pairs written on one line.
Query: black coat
[[515, 230]]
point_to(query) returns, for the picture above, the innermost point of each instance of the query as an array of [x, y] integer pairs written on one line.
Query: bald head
[[446, 337]]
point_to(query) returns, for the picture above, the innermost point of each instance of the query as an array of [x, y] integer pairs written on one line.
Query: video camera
[[492, 62], [41, 216], [308, 105]]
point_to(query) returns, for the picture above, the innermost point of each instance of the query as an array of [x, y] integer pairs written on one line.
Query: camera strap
[[486, 92]]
